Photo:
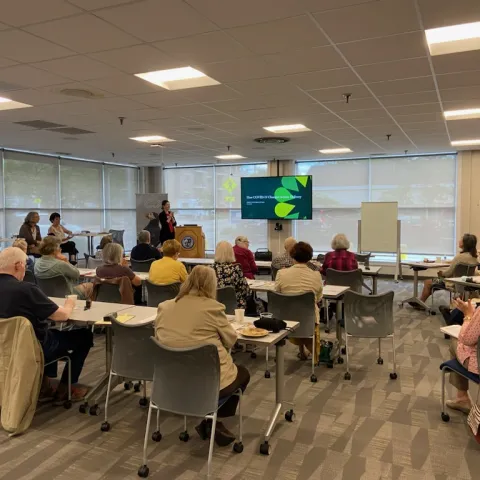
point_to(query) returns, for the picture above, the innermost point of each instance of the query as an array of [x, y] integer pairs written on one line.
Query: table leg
[[374, 284], [90, 245], [338, 314], [415, 298]]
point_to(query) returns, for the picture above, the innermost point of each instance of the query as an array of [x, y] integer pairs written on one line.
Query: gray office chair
[[369, 316], [160, 293], [108, 293], [141, 265], [364, 258], [54, 286], [29, 277], [92, 262], [227, 296], [274, 273], [133, 352], [117, 236], [298, 308], [186, 381], [460, 270]]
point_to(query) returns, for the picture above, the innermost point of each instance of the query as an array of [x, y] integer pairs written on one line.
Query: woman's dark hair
[[164, 202], [53, 216], [302, 252], [470, 244]]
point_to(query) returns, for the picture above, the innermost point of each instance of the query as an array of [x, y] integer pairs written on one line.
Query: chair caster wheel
[[105, 427], [136, 387], [445, 417], [95, 410], [127, 385], [344, 351], [83, 408], [265, 448], [253, 355], [393, 376], [330, 365], [143, 402], [238, 447], [340, 360], [289, 416], [327, 330], [267, 374], [143, 471], [347, 376], [380, 361], [184, 437], [313, 378], [156, 436], [67, 404], [446, 336]]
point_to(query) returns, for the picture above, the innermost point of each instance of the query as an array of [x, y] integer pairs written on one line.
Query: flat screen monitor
[[277, 198]]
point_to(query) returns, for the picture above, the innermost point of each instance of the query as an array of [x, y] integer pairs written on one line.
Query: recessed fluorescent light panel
[[230, 156], [178, 78], [298, 127], [465, 143], [328, 151], [7, 104], [454, 39], [152, 139], [462, 114]]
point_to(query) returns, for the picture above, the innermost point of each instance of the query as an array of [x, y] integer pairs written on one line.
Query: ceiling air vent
[[272, 140]]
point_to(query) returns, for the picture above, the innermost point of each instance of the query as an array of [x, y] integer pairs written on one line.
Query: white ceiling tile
[[460, 94], [396, 70], [120, 105], [210, 93], [359, 114], [236, 70], [24, 12], [421, 117], [443, 13], [376, 50], [28, 48], [27, 76], [424, 108], [336, 94], [305, 60], [77, 67], [409, 85], [263, 86], [460, 62], [270, 37], [203, 48], [4, 27], [325, 79], [369, 20], [160, 99], [96, 4], [173, 122], [354, 104], [409, 99], [42, 96], [5, 62], [369, 122], [186, 110], [239, 105], [461, 79], [152, 20], [122, 84], [294, 99], [211, 118], [83, 33]]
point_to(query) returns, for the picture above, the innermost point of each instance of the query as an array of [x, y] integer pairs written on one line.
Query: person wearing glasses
[[245, 257]]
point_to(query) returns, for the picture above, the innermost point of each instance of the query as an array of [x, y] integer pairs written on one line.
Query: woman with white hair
[[229, 273], [245, 257], [340, 259], [144, 251], [203, 321]]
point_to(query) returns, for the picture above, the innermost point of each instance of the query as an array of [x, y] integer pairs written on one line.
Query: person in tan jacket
[[195, 318], [300, 278]]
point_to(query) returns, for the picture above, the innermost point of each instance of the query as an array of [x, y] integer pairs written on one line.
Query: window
[[423, 186], [210, 197], [88, 195]]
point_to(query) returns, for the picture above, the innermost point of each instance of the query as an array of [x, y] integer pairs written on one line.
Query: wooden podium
[[192, 240]]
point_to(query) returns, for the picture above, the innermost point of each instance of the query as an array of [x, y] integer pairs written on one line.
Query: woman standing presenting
[[167, 222]]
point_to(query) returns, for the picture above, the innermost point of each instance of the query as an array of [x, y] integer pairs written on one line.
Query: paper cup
[[72, 297], [239, 315]]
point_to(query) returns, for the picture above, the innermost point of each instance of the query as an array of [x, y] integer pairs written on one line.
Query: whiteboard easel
[[379, 230]]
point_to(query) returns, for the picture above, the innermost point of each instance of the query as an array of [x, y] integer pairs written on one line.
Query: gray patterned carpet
[[368, 428]]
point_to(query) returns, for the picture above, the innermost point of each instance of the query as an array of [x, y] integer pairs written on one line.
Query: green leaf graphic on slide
[[288, 206]]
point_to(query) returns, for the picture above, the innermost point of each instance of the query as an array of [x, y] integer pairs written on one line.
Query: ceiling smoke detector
[[272, 140], [80, 93]]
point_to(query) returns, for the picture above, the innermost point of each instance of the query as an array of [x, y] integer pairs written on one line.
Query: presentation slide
[[277, 198]]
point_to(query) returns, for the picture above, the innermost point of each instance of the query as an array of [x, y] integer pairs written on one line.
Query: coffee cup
[[266, 315], [239, 315]]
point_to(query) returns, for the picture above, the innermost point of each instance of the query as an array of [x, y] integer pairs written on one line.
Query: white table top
[[334, 291], [91, 234], [96, 312], [460, 281], [143, 315], [424, 265], [329, 291], [210, 261], [452, 330], [89, 273], [270, 339], [371, 271]]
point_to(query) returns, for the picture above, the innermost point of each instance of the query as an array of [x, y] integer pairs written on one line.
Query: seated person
[[465, 351], [106, 239], [301, 279], [230, 273], [168, 269], [52, 264], [64, 235], [245, 257], [25, 299], [144, 251], [285, 260], [203, 321], [30, 231], [22, 245], [340, 258], [115, 266], [468, 255]]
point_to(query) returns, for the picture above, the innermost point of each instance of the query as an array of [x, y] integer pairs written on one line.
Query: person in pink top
[[465, 351], [245, 257]]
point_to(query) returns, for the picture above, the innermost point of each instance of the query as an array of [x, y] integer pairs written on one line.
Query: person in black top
[[167, 222], [24, 299], [144, 251], [154, 228]]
